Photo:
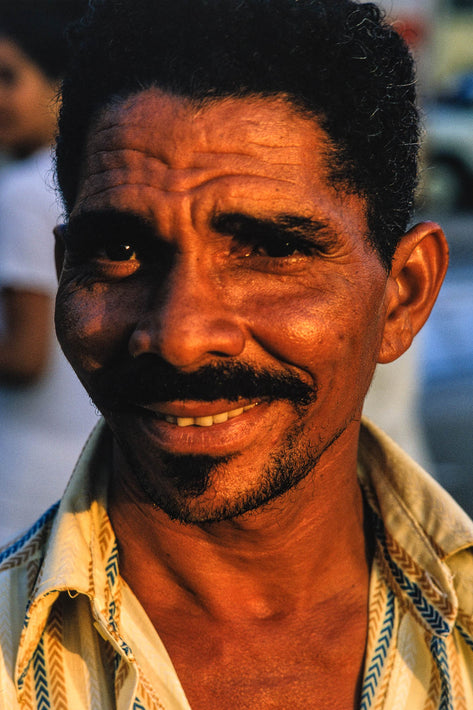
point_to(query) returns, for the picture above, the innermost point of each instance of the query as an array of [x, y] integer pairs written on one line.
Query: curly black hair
[[337, 60]]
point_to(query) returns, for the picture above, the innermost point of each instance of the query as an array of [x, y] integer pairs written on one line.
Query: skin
[[274, 593], [28, 109], [24, 348], [28, 116]]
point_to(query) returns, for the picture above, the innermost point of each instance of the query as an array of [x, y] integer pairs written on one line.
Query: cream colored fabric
[[85, 643]]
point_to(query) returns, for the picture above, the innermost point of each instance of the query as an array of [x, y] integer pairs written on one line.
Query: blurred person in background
[[45, 416]]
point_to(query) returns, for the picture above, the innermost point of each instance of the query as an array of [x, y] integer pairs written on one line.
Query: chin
[[193, 489]]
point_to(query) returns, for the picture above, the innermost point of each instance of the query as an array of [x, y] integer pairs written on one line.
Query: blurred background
[[440, 33]]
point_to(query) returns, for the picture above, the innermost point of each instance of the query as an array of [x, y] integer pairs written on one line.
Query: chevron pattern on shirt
[[439, 652], [378, 659], [16, 553], [433, 618]]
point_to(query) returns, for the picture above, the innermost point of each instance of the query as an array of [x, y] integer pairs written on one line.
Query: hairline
[[333, 150]]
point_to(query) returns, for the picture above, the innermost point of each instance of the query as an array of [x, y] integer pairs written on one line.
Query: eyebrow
[[279, 227], [244, 227], [85, 225]]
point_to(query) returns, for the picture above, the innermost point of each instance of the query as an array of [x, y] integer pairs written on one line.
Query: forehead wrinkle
[[133, 148], [193, 158], [102, 160], [178, 124], [93, 186], [115, 166]]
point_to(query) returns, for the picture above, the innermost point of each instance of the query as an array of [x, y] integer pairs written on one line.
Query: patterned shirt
[[74, 637]]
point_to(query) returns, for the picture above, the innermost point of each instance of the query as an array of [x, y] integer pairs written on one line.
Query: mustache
[[149, 379]]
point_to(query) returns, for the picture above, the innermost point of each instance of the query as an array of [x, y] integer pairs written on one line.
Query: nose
[[188, 322]]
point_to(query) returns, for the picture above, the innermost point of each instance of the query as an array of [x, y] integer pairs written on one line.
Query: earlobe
[[59, 248], [418, 269]]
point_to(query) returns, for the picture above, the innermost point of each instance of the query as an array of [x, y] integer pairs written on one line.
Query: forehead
[[182, 124], [153, 149]]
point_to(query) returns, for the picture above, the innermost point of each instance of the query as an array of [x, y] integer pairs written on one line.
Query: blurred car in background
[[446, 365], [447, 173], [446, 194]]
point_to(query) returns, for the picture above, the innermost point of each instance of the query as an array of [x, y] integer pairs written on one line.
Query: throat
[[292, 554], [293, 661]]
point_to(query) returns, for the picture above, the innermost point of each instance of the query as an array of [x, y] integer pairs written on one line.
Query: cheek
[[90, 327], [20, 107], [331, 330]]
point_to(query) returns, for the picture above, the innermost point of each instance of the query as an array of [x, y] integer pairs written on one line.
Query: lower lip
[[216, 440]]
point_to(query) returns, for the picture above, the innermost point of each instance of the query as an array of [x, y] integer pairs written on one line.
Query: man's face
[[219, 300]]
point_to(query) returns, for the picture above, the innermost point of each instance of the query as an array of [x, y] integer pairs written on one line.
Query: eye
[[285, 238], [281, 248], [104, 258], [275, 248], [8, 77], [118, 252]]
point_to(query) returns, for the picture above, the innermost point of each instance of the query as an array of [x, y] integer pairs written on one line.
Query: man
[[238, 179]]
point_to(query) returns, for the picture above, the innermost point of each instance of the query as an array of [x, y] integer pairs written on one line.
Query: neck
[[305, 548]]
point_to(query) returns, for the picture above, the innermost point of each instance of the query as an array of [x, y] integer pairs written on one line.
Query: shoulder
[[426, 537], [29, 185], [35, 172], [20, 562], [29, 210], [22, 549], [411, 502]]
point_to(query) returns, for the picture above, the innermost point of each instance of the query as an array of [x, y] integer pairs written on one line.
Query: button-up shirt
[[74, 637]]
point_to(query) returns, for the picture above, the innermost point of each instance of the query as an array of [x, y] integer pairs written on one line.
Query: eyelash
[[128, 251], [90, 254], [276, 251], [270, 253]]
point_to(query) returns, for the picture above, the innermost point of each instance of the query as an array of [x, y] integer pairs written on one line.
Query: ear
[[418, 269], [59, 248]]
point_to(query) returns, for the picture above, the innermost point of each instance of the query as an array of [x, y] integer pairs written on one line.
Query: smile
[[211, 428], [208, 420]]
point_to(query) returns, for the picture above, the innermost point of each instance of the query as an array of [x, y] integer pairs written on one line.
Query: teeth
[[208, 420], [220, 418], [235, 413], [185, 421], [204, 421]]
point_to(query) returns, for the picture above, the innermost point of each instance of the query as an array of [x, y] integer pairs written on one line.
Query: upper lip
[[189, 408]]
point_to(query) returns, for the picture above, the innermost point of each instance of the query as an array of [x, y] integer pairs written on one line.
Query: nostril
[[187, 341], [139, 343]]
